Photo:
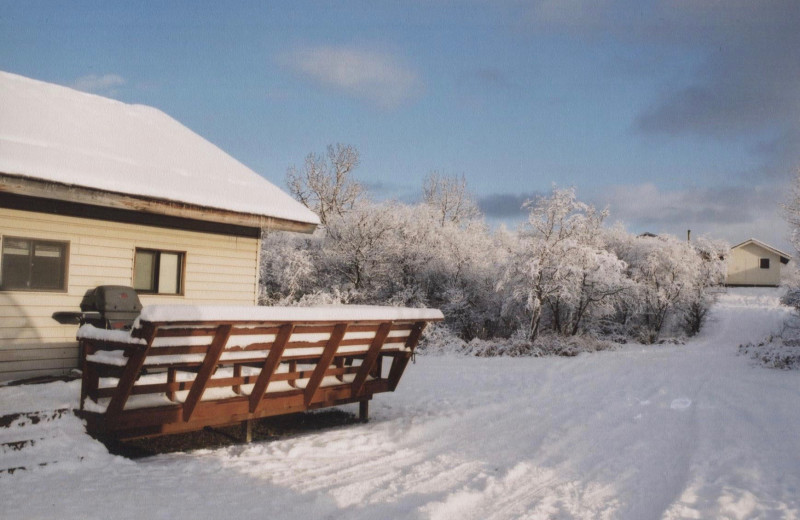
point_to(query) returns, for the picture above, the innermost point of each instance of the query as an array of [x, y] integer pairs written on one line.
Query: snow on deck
[[159, 313], [645, 432], [54, 133]]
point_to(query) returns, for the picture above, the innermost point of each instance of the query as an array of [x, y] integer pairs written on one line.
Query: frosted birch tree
[[450, 198], [325, 184]]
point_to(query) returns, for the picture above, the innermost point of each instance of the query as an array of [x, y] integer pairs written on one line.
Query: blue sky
[[675, 114]]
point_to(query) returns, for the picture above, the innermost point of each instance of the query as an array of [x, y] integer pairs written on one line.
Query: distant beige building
[[98, 192], [755, 263]]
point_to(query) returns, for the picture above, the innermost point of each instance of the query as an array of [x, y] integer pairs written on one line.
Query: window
[[765, 263], [33, 265], [158, 272]]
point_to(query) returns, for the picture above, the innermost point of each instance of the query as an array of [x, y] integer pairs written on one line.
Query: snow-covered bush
[[775, 352], [548, 288], [671, 280], [559, 267]]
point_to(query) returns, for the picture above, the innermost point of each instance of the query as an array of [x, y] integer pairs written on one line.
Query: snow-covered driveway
[[690, 431]]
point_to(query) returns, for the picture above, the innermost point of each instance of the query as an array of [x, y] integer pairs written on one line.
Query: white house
[[94, 192], [755, 263]]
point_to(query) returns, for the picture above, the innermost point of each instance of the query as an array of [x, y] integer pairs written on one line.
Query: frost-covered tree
[[288, 269], [665, 271], [561, 271], [597, 279], [324, 184], [791, 210], [450, 198], [541, 268], [357, 245], [713, 256]]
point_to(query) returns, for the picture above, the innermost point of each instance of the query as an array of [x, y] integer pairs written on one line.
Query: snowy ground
[[690, 431]]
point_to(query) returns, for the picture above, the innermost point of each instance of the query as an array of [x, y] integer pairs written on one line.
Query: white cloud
[[366, 74], [105, 84]]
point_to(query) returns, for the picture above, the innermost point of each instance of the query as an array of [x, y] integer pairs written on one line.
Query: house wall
[[744, 266], [220, 270]]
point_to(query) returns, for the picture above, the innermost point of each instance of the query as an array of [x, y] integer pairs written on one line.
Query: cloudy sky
[[676, 114]]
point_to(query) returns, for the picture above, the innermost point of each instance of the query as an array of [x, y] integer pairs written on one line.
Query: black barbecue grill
[[105, 307]]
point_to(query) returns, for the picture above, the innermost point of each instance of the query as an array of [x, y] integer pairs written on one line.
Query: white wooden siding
[[744, 266], [219, 270]]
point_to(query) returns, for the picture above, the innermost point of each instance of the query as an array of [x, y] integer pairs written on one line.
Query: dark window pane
[[16, 263], [47, 266], [765, 263], [33, 265]]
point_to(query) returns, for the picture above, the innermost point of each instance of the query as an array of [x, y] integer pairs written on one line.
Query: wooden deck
[[177, 376]]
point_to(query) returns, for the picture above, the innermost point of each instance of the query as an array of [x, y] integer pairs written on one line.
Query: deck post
[[363, 410], [247, 431]]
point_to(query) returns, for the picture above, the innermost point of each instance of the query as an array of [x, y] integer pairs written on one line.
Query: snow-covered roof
[[759, 243], [53, 133]]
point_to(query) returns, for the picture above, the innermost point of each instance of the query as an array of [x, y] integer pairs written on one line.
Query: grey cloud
[[781, 154], [749, 72], [749, 79], [730, 212], [504, 205]]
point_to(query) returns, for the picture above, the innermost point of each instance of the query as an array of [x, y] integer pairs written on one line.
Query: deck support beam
[[206, 370], [324, 361]]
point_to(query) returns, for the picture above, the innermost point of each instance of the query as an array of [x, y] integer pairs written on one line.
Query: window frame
[[33, 242], [763, 263], [181, 275]]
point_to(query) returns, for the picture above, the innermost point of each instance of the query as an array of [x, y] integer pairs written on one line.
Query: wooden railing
[[173, 376]]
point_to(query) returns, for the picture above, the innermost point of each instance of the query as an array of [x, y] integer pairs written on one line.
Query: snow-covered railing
[[184, 367]]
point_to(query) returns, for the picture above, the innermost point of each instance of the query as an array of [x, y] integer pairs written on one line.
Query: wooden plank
[[237, 374], [131, 373], [208, 367], [143, 422], [270, 364], [371, 357], [171, 373], [324, 361]]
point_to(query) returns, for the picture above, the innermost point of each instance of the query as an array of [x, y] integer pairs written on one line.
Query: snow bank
[[440, 340], [672, 432], [53, 133]]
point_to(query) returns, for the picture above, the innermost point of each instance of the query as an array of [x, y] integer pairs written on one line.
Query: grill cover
[[118, 305]]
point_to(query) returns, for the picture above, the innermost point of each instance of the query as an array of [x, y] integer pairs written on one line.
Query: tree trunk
[[536, 317]]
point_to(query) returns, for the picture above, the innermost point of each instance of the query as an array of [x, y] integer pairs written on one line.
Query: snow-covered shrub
[[561, 275], [546, 344], [670, 279], [713, 255], [558, 266], [288, 267], [439, 339], [774, 352]]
